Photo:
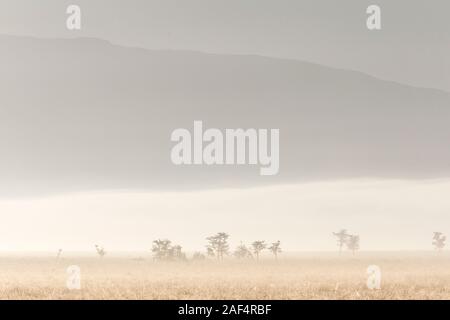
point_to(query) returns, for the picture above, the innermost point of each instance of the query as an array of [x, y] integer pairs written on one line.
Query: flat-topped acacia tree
[[342, 238], [353, 243], [258, 246], [275, 248], [243, 252], [218, 245]]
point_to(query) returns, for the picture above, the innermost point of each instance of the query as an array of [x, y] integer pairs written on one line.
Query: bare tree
[[218, 245], [342, 237], [58, 259], [275, 248], [258, 246], [439, 241], [353, 243], [100, 251], [242, 252]]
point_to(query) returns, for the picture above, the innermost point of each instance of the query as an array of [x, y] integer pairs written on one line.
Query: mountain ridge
[[98, 116], [138, 48]]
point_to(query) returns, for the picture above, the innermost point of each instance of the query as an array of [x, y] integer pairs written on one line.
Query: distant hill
[[85, 114]]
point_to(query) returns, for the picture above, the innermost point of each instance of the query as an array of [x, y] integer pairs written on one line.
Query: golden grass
[[311, 276]]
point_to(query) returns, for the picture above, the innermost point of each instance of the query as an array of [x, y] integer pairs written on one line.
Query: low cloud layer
[[387, 214]]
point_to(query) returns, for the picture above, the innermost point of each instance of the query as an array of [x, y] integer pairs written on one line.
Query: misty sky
[[388, 212], [411, 48]]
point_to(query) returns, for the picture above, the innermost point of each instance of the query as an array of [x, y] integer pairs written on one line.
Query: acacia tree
[[218, 245], [342, 237], [242, 252], [353, 243], [258, 246], [164, 250], [275, 249], [161, 249], [439, 241], [177, 253], [100, 251]]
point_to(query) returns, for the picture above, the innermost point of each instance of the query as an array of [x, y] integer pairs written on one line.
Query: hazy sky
[[41, 137], [412, 46], [83, 115], [388, 214]]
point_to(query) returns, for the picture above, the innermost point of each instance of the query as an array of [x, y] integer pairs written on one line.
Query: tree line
[[351, 241], [218, 247]]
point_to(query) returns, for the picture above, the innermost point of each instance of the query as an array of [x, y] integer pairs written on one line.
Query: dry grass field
[[303, 276]]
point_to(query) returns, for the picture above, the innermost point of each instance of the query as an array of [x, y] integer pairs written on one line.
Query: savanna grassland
[[302, 276]]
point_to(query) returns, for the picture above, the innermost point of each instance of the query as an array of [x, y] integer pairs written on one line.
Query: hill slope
[[86, 114]]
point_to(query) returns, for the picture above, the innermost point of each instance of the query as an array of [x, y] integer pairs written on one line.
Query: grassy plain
[[293, 276]]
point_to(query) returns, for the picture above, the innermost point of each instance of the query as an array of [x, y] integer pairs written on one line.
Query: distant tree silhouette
[[58, 255], [353, 243], [176, 253], [275, 248], [258, 246], [198, 256], [342, 237], [210, 252], [242, 252], [439, 240], [100, 251], [163, 250], [218, 245]]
